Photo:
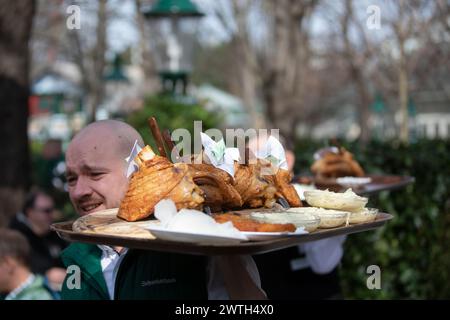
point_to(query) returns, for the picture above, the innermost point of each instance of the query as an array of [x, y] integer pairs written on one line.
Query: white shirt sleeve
[[216, 285], [324, 255]]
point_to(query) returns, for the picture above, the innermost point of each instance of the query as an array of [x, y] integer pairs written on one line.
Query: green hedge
[[412, 249]]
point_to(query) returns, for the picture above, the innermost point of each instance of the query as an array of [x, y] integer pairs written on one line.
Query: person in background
[[34, 223], [45, 164], [306, 271], [49, 171], [17, 282]]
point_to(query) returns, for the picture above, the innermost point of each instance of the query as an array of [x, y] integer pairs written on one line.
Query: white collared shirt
[[110, 262]]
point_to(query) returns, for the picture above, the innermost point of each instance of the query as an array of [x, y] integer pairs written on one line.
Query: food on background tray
[[336, 162], [353, 181], [243, 223], [346, 201], [307, 221], [156, 179]]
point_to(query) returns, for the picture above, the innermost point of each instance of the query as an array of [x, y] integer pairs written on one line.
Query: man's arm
[[240, 276]]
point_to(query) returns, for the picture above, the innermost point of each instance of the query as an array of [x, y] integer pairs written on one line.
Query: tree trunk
[[403, 95], [402, 77], [283, 82], [16, 19], [248, 76], [356, 75], [151, 83], [97, 85], [363, 101]]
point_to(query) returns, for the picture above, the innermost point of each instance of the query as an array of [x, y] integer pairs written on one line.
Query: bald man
[[96, 174], [95, 161]]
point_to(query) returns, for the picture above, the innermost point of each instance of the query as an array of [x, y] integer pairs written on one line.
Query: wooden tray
[[64, 230], [379, 183]]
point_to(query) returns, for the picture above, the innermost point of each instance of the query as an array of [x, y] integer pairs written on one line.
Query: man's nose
[[82, 188]]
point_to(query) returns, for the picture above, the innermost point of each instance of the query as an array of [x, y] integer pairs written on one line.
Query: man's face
[[95, 174]]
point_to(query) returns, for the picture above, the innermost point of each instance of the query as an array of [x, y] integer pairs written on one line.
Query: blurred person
[[306, 271], [48, 171], [34, 223], [47, 166], [96, 175], [17, 282]]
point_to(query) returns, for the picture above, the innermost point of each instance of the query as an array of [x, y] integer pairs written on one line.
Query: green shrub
[[171, 114]]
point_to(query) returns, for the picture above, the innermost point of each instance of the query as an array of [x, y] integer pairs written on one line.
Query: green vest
[[142, 274]]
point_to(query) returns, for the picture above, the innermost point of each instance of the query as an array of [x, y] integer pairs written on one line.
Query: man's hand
[[238, 281]]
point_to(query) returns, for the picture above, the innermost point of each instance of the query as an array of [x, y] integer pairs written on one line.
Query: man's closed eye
[[97, 175], [71, 180]]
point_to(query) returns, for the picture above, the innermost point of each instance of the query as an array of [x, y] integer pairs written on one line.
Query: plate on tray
[[378, 183], [193, 237], [261, 236]]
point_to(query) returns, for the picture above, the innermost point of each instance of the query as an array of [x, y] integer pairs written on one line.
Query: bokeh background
[[374, 75]]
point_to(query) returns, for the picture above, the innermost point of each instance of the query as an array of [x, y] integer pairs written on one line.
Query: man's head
[[14, 255], [39, 209], [95, 161]]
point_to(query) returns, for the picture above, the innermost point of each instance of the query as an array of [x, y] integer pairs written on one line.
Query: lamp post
[[116, 84], [175, 21], [115, 74]]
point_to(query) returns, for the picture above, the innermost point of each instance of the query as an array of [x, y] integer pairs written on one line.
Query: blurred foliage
[[214, 65], [412, 249], [171, 114]]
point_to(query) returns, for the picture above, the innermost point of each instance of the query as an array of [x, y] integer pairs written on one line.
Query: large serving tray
[[379, 183], [149, 242]]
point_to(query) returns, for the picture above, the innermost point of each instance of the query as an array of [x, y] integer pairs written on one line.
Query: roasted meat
[[250, 182], [217, 187], [282, 180], [157, 179], [243, 223]]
